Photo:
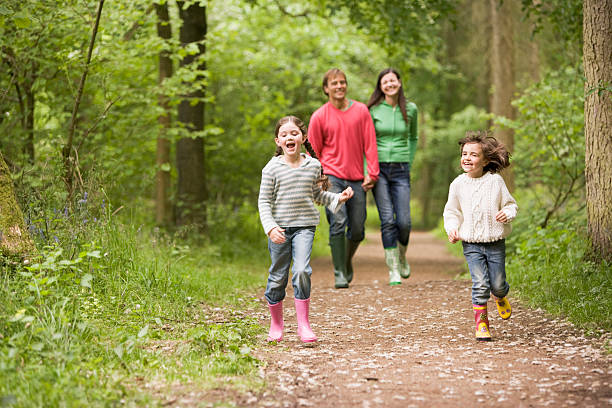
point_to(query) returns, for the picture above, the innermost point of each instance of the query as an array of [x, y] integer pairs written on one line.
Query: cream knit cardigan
[[472, 205]]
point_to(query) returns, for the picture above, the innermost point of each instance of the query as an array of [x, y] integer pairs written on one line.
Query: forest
[[133, 134]]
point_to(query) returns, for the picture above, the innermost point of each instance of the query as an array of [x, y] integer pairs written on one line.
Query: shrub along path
[[413, 345]]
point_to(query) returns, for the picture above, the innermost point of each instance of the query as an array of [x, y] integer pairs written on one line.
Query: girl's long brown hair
[[494, 151]]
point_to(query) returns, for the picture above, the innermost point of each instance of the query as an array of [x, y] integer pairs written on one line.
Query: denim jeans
[[487, 263], [297, 247], [351, 217], [392, 195]]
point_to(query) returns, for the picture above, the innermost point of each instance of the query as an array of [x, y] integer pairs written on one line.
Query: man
[[341, 133]]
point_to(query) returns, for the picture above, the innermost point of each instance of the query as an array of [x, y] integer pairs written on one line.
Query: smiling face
[[290, 138], [390, 85], [336, 87], [473, 160]]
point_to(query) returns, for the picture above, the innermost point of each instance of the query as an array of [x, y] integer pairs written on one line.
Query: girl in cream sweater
[[478, 213]]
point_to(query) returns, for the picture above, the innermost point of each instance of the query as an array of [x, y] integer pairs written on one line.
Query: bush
[[549, 270]]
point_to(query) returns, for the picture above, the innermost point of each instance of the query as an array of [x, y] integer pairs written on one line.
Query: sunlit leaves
[[549, 150]]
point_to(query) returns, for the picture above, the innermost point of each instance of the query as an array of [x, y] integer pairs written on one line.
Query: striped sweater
[[287, 195]]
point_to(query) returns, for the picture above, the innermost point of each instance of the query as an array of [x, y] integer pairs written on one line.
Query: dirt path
[[412, 345]]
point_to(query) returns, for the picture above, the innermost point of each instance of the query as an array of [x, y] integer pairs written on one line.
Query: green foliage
[[405, 28], [565, 16], [549, 147]]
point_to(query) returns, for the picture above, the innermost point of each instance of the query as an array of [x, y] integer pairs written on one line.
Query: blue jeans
[[392, 196], [487, 263], [297, 247], [351, 217]]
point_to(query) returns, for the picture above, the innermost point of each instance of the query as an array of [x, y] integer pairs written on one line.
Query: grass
[[91, 325], [549, 269]]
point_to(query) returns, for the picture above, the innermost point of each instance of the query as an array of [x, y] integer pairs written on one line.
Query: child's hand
[[345, 195], [277, 235], [501, 217], [453, 236]]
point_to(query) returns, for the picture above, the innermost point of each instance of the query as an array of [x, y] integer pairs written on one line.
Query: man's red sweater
[[341, 139]]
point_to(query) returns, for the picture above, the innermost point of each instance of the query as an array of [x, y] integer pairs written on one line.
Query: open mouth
[[290, 145]]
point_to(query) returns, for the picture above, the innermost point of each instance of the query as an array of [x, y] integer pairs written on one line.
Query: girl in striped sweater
[[291, 183]]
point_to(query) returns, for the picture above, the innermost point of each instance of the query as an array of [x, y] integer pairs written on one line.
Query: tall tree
[[162, 181], [191, 189], [597, 48], [502, 73]]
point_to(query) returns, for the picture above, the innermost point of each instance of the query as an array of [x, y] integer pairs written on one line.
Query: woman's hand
[[345, 195], [277, 235]]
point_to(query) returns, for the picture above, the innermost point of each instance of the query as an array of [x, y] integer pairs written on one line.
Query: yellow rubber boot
[[503, 308]]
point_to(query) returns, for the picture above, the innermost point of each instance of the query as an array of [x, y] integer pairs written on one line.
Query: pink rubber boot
[[276, 322], [304, 330]]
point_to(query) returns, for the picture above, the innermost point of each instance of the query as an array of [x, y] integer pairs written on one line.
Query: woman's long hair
[[378, 95]]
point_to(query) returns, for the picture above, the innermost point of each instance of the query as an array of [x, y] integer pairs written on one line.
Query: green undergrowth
[[95, 318], [550, 269]]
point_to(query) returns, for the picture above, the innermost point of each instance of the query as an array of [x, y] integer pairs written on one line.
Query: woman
[[395, 121]]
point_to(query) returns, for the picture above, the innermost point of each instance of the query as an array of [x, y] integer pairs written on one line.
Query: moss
[[14, 237]]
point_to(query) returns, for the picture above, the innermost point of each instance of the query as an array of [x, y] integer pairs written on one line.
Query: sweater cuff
[[269, 228], [335, 205], [509, 214]]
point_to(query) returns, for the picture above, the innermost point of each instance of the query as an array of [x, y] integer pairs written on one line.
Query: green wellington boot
[[338, 251], [392, 259], [351, 248], [404, 266]]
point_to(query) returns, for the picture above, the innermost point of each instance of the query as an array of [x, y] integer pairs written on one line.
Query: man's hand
[[368, 183], [277, 235]]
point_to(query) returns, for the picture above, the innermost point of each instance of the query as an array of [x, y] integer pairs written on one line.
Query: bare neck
[[392, 100], [341, 104]]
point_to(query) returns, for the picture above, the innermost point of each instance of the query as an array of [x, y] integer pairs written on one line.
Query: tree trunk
[[29, 117], [424, 181], [163, 213], [597, 48], [502, 74], [14, 237], [191, 205]]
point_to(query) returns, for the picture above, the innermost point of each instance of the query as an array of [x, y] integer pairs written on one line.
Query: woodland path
[[412, 345]]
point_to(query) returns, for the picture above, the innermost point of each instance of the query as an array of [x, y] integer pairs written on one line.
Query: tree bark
[[191, 205], [29, 119], [597, 49], [163, 212], [502, 74], [423, 183], [14, 237]]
